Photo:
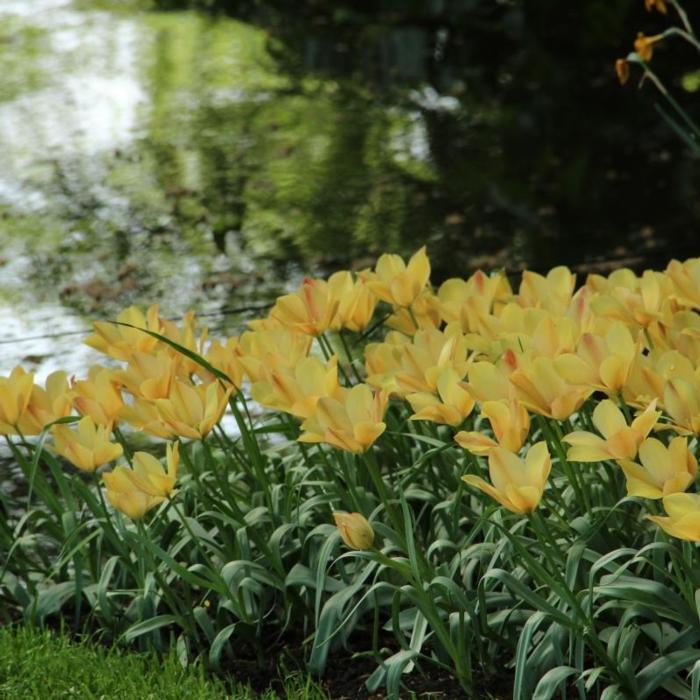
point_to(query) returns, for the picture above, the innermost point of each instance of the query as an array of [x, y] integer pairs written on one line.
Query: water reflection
[[203, 161]]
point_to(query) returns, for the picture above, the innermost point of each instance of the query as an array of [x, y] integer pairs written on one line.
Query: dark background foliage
[[541, 158]]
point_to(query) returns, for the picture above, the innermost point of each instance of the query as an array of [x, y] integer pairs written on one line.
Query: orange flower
[[660, 5], [622, 68], [644, 45]]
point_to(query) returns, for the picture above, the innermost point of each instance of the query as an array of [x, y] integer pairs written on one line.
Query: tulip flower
[[398, 283], [452, 404], [469, 302], [637, 302], [685, 278], [510, 423], [272, 348], [354, 530], [356, 301], [150, 477], [664, 470], [553, 292], [47, 405], [517, 484], [192, 410], [126, 496], [489, 382], [142, 414], [149, 375], [311, 309], [424, 312], [120, 342], [352, 422], [682, 334], [408, 368], [682, 403], [88, 447], [619, 440], [15, 394], [297, 390], [603, 362], [543, 390], [683, 519], [99, 396]]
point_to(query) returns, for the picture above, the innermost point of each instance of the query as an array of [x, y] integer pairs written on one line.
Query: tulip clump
[[604, 372]]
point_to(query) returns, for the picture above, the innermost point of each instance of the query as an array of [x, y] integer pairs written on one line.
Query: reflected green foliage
[[207, 153]]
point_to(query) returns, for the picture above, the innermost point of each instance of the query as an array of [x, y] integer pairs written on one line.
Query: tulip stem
[[554, 438], [413, 316], [128, 454], [348, 354], [370, 460]]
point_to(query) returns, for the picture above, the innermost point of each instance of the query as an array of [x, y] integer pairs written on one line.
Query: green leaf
[[217, 646], [655, 674], [550, 682], [147, 626]]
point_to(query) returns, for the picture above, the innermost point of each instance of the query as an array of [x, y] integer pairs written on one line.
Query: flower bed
[[478, 477]]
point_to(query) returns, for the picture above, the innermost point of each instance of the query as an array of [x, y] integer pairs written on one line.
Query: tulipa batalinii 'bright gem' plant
[[375, 393]]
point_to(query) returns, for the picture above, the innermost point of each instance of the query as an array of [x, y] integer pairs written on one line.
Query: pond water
[[207, 162]]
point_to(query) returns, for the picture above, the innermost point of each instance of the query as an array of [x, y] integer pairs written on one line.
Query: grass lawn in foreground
[[37, 664]]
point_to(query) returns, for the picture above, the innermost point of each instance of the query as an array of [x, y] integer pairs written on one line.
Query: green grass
[[38, 664]]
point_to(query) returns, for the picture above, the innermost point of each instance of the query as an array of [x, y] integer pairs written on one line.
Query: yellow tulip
[[126, 496], [88, 447], [47, 405], [297, 390], [354, 530], [489, 381], [682, 402], [15, 394], [398, 283], [602, 362], [150, 477], [352, 422], [189, 336], [683, 519], [469, 302], [517, 484], [192, 410], [142, 414], [407, 368], [311, 309], [149, 375], [635, 301], [272, 348], [356, 301], [452, 404], [685, 278], [510, 423], [543, 390], [227, 359], [664, 470], [553, 292], [682, 334], [98, 396], [650, 373], [423, 313], [120, 342], [619, 440]]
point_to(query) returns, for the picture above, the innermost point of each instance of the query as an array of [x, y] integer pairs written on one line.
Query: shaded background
[[207, 154]]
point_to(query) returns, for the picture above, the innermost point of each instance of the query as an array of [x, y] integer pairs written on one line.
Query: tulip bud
[[356, 532]]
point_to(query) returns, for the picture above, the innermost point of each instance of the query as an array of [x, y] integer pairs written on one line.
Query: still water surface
[[205, 162]]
